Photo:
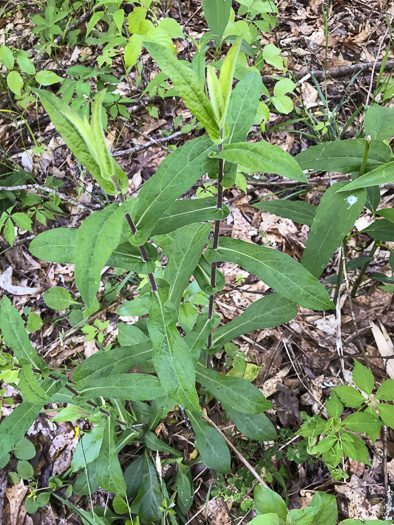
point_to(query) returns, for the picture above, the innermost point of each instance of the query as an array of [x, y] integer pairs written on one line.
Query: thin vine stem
[[219, 205]]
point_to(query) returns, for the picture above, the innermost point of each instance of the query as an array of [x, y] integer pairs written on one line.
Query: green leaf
[[16, 338], [267, 501], [87, 519], [387, 213], [363, 377], [57, 245], [354, 447], [15, 426], [381, 230], [188, 211], [243, 106], [386, 412], [234, 392], [304, 516], [271, 56], [343, 156], [171, 356], [262, 156], [383, 174], [175, 175], [202, 273], [349, 396], [96, 17], [47, 78], [217, 14], [183, 254], [34, 322], [210, 444], [215, 92], [6, 57], [103, 157], [379, 122], [22, 221], [129, 335], [334, 406], [30, 388], [117, 360], [184, 485], [386, 391], [15, 82], [128, 257], [226, 76], [133, 50], [254, 426], [154, 443], [25, 470], [97, 237], [278, 270], [267, 312], [197, 338], [87, 449], [362, 422], [188, 86], [328, 509], [109, 471], [120, 506], [335, 217], [135, 387], [9, 231], [58, 298], [149, 498], [24, 449], [297, 211], [267, 519]]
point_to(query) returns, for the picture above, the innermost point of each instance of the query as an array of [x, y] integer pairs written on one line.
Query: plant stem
[[365, 158], [340, 271], [219, 204], [363, 270], [144, 255]]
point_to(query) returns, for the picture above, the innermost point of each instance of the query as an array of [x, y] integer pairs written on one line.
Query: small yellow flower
[[76, 432]]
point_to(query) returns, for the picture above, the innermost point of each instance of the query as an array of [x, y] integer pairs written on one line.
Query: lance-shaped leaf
[[335, 217], [109, 471], [217, 14], [269, 311], [197, 338], [278, 270], [381, 230], [78, 137], [210, 444], [133, 387], [297, 211], [15, 426], [254, 426], [379, 122], [128, 256], [227, 75], [175, 175], [15, 335], [97, 237], [187, 84], [202, 273], [184, 254], [116, 361], [57, 245], [31, 390], [383, 174], [149, 496], [343, 156], [171, 356], [234, 392], [215, 93], [104, 159], [188, 211], [262, 156]]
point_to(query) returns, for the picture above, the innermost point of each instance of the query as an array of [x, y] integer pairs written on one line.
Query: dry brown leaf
[[385, 346], [15, 495]]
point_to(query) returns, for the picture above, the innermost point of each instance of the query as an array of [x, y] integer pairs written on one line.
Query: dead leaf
[[385, 346], [6, 284], [16, 495]]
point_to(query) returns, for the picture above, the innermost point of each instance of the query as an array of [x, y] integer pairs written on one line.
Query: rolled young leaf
[[334, 219], [269, 311], [188, 86], [278, 270], [15, 336], [171, 356], [262, 156], [226, 76]]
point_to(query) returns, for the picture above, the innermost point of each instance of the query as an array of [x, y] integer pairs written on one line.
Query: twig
[[240, 456], [35, 188], [140, 147]]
